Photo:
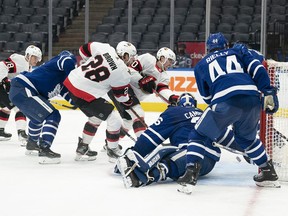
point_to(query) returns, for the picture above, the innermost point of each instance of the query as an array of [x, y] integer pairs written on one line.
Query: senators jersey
[[146, 65], [12, 66], [102, 71]]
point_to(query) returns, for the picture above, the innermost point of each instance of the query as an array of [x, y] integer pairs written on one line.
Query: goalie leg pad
[[145, 164]]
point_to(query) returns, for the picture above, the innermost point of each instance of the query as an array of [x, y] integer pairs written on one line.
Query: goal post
[[274, 128]]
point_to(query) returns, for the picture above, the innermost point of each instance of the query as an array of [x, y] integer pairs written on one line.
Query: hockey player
[[148, 76], [149, 161], [31, 92], [9, 68], [88, 84], [229, 80]]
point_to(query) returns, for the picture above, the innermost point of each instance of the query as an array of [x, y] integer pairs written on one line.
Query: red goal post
[[274, 128]]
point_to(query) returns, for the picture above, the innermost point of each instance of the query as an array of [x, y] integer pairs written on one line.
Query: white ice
[[91, 188]]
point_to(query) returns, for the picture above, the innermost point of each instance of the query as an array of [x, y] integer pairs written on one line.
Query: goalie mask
[[187, 100], [216, 41]]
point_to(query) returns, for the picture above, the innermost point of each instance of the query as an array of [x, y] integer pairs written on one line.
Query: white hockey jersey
[[103, 71], [12, 66], [146, 65]]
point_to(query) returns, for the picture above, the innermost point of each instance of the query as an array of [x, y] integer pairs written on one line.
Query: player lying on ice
[[150, 161]]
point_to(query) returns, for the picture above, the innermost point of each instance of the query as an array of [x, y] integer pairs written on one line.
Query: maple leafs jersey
[[175, 123], [13, 65], [103, 71], [223, 74], [47, 79], [146, 65]]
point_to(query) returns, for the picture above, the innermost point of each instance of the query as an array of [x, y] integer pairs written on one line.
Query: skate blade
[[187, 189], [5, 138], [271, 184], [46, 160], [31, 152], [85, 158]]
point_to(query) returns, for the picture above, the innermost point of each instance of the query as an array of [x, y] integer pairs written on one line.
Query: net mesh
[[274, 128]]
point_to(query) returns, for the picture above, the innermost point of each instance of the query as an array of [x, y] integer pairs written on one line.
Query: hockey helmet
[[216, 41], [167, 53], [33, 51], [126, 47], [187, 100]]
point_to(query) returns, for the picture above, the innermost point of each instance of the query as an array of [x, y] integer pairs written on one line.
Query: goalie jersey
[[217, 75], [175, 123]]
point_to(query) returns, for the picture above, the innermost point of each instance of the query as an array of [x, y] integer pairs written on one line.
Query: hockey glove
[[6, 84], [173, 99], [147, 84], [270, 100]]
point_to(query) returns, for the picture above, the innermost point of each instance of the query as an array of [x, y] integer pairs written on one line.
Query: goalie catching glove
[[270, 100], [147, 84]]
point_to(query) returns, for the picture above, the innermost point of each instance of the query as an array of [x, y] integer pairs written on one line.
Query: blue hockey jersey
[[47, 79], [225, 73], [175, 123]]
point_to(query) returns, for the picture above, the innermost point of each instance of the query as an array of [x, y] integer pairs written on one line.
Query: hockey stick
[[161, 96], [229, 149], [63, 105], [127, 134], [140, 119]]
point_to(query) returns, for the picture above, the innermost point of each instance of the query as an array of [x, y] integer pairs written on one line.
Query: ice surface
[[91, 188]]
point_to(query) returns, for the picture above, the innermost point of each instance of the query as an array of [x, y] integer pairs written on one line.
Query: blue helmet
[[216, 41], [187, 100]]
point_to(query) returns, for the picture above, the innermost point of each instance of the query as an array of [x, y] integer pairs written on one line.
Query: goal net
[[274, 128]]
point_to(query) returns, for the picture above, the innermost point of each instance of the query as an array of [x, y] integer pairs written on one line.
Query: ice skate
[[267, 176], [113, 153], [129, 177], [32, 148], [189, 179], [83, 152], [22, 137], [105, 146], [4, 136], [47, 156]]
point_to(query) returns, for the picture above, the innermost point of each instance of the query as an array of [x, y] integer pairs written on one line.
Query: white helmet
[[33, 51], [167, 53], [126, 47]]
